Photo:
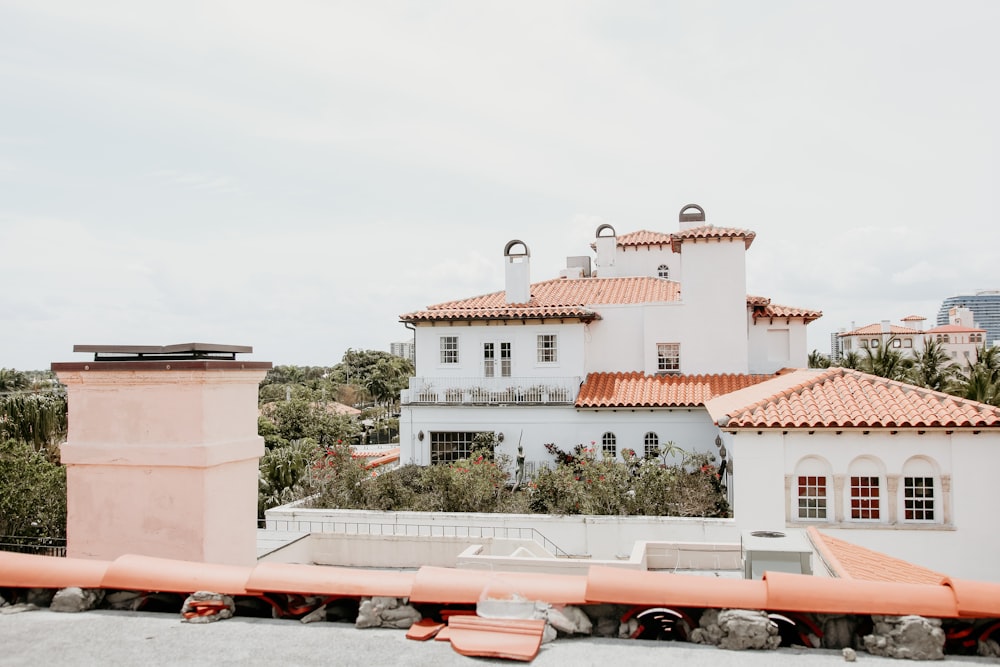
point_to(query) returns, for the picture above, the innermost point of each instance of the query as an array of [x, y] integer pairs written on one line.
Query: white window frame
[[860, 503], [812, 493], [649, 440], [496, 359], [448, 353], [609, 445], [668, 357], [547, 349], [919, 498]]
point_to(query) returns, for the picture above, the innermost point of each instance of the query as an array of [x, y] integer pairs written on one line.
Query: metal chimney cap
[[692, 217]]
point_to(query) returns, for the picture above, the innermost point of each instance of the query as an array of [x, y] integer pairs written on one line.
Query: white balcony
[[491, 391]]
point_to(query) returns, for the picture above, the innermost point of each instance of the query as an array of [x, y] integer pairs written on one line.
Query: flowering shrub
[[581, 482]]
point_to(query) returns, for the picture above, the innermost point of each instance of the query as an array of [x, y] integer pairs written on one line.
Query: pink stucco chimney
[[162, 452]]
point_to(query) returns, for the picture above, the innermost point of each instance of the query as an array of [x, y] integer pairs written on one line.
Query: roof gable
[[844, 398], [850, 561]]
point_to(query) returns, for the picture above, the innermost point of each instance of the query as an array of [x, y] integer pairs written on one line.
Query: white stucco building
[[661, 343], [960, 338], [624, 355]]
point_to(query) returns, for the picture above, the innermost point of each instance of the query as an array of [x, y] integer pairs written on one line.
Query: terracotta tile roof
[[560, 297], [643, 237], [844, 398], [617, 390], [953, 328], [875, 329], [850, 561], [762, 308], [706, 232], [913, 318]]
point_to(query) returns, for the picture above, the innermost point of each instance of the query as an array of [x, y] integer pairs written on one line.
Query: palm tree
[[932, 367], [980, 381], [886, 362], [818, 360], [851, 360], [12, 380]]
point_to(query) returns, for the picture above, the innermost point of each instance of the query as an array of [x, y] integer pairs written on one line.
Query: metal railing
[[43, 546], [492, 391], [415, 530]]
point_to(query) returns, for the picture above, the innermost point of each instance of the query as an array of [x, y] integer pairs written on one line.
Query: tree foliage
[[32, 492], [35, 418]]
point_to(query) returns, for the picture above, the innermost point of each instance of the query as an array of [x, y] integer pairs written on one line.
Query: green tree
[[980, 381], [851, 360], [818, 360], [284, 421], [886, 361], [12, 380], [32, 492], [38, 419], [932, 368]]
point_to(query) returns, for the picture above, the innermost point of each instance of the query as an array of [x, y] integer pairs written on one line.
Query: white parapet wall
[[598, 537]]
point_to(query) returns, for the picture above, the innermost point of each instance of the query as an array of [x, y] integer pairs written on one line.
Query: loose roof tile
[[850, 561], [845, 398], [635, 389]]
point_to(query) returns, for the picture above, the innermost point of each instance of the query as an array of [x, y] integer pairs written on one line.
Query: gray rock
[[910, 637], [40, 597], [124, 600], [988, 649], [850, 655], [386, 612], [74, 599], [18, 608], [569, 620], [736, 629], [317, 614], [226, 607]]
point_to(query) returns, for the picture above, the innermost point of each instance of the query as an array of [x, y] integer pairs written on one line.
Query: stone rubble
[[124, 600], [910, 637], [839, 631], [386, 612], [74, 599], [988, 648], [736, 629], [192, 603], [850, 655]]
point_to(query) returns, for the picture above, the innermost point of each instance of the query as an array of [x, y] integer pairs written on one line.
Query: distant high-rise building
[[985, 307], [403, 349]]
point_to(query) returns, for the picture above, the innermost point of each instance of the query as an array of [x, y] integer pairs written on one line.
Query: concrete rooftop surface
[[133, 638]]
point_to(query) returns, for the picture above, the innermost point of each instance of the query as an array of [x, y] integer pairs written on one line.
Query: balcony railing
[[491, 391]]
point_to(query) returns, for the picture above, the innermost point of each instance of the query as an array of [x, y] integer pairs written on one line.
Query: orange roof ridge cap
[[818, 540]]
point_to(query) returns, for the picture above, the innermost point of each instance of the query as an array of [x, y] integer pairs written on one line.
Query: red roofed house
[[960, 339], [661, 343], [624, 356]]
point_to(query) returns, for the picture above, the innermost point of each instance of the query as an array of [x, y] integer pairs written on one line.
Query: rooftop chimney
[[606, 245], [885, 326], [691, 216], [518, 277]]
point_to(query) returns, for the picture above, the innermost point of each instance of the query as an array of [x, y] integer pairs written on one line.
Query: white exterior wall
[[523, 339], [715, 299], [646, 261], [534, 426], [964, 489], [764, 356]]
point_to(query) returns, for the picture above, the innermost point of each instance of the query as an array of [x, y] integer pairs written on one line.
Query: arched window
[[812, 489], [651, 445], [663, 271], [920, 481], [609, 445], [865, 497]]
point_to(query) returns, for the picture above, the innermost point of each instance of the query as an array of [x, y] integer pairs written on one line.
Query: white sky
[[294, 175]]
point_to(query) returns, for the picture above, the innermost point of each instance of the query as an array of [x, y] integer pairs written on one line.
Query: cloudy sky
[[294, 175]]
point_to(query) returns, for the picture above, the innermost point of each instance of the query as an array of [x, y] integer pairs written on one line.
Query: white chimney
[[606, 246], [691, 216], [885, 326], [518, 276]]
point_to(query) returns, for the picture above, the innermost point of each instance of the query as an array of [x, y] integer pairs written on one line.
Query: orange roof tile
[[954, 328], [617, 390], [707, 232], [913, 318], [850, 561], [875, 329], [763, 308], [846, 398], [643, 238], [560, 297]]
